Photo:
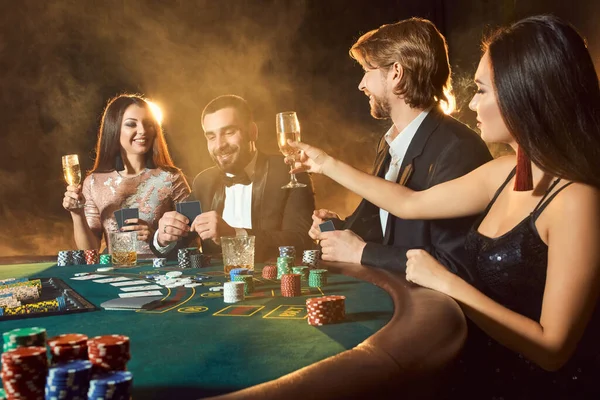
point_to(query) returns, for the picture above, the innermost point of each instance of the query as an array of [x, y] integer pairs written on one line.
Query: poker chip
[[269, 272], [239, 271], [68, 347], [326, 310], [191, 285], [284, 266], [112, 385], [159, 262], [233, 292], [216, 288], [248, 281], [291, 285], [24, 337], [105, 259], [317, 278], [174, 274], [303, 271], [287, 251], [196, 260], [104, 269], [65, 257], [69, 380], [109, 353], [183, 258], [57, 304], [311, 258], [78, 257], [91, 256], [24, 372]]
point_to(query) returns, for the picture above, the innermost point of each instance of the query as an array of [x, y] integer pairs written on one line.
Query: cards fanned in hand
[[191, 209], [327, 226], [124, 214]]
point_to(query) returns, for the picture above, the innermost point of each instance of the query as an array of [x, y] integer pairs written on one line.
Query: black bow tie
[[242, 179]]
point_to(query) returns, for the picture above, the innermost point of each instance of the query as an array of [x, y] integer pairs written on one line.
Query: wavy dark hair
[[422, 52], [108, 146], [548, 93]]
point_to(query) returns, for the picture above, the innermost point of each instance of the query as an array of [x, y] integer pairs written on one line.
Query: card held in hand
[[327, 226], [130, 213], [119, 218], [191, 209]]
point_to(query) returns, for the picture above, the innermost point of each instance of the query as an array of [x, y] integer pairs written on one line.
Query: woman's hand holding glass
[[73, 199]]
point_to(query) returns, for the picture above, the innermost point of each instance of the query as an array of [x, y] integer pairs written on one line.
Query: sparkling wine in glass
[[288, 128], [72, 171]]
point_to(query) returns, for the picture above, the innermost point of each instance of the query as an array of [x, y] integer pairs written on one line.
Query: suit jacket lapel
[[415, 149], [218, 200], [259, 182]]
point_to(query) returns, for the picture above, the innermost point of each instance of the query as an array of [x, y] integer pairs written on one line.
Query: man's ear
[[397, 72], [253, 132]]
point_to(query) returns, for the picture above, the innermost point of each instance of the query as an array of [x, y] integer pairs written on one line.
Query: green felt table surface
[[191, 346]]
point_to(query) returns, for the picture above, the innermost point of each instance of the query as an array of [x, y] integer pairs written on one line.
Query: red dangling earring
[[523, 176]]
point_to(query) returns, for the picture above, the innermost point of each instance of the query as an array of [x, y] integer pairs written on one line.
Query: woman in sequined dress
[[533, 322], [133, 169]]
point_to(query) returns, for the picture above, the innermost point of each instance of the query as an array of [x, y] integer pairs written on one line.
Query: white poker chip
[[174, 274], [81, 274], [216, 288], [192, 285], [104, 269]]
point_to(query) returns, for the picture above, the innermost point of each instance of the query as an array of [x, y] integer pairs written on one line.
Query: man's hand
[[310, 159], [318, 217], [210, 225], [172, 227], [342, 246]]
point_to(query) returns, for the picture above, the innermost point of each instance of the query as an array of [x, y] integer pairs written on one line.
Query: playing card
[[86, 277], [327, 226], [129, 213], [135, 303], [141, 294], [191, 209], [119, 217], [129, 283], [109, 280], [140, 288]]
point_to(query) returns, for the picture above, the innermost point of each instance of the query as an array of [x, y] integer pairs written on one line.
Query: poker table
[[396, 339]]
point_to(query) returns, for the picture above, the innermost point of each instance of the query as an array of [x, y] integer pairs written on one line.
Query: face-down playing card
[[327, 226], [191, 209]]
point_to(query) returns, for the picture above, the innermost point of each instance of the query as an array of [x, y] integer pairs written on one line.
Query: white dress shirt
[[398, 148], [237, 210]]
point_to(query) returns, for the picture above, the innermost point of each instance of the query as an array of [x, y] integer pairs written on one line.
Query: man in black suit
[[241, 194], [406, 77]]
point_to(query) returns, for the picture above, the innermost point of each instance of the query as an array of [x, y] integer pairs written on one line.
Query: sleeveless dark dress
[[511, 269]]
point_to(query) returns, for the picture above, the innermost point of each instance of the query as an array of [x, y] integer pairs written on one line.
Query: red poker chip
[[108, 340], [68, 339]]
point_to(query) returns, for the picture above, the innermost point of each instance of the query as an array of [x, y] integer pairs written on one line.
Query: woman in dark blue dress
[[535, 249]]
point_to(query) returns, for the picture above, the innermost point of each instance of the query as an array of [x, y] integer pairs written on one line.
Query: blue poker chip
[[62, 304], [154, 276], [69, 380], [113, 385]]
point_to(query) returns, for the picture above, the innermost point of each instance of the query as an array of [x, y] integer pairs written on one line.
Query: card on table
[[129, 213], [134, 303], [140, 288], [129, 283], [191, 209], [327, 226], [141, 294], [109, 280], [86, 277]]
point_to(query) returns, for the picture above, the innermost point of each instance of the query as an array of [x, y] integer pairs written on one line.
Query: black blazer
[[441, 150], [280, 217]]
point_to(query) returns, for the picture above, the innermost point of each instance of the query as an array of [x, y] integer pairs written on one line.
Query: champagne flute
[[288, 128], [72, 171]]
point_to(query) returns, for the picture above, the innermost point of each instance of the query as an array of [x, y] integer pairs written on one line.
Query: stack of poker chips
[[69, 380], [290, 285], [317, 278], [9, 300], [326, 310], [284, 266], [238, 271], [24, 372], [109, 353], [159, 262], [24, 337], [68, 347], [28, 290], [196, 260], [57, 304], [287, 251], [91, 256], [65, 257], [114, 385], [105, 259], [269, 272], [233, 292], [248, 283], [78, 257], [184, 256], [311, 258], [302, 270]]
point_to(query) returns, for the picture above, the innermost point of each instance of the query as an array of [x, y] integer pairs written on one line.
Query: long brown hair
[[548, 93], [108, 146]]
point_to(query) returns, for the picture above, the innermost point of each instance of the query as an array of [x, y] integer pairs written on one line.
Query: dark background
[[61, 61]]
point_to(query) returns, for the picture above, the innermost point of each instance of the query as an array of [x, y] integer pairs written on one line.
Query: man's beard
[[380, 108], [234, 166]]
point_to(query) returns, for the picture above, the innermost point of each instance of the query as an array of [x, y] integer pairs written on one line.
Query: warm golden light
[[156, 111], [448, 107]]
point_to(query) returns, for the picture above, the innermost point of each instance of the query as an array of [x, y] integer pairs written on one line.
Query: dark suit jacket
[[441, 150], [280, 217]]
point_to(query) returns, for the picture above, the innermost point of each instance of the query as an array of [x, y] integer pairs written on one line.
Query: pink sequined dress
[[153, 192]]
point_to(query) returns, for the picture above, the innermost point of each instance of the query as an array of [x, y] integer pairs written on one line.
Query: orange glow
[[156, 111]]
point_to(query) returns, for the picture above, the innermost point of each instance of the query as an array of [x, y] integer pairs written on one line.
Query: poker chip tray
[[51, 289]]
